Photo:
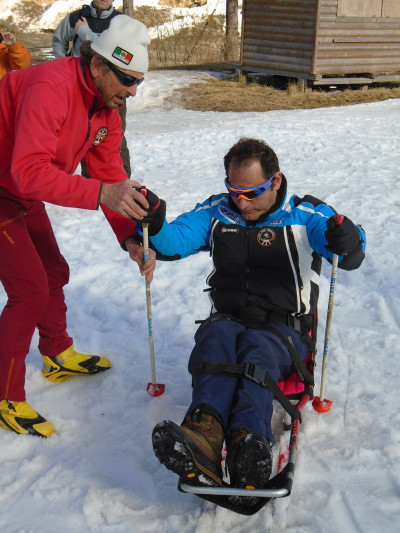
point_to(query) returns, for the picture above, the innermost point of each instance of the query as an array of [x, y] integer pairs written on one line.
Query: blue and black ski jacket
[[271, 265]]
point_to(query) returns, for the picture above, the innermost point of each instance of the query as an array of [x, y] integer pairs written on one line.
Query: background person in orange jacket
[[51, 115], [14, 55]]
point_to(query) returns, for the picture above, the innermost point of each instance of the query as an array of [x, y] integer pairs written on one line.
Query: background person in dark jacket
[[267, 256], [83, 25]]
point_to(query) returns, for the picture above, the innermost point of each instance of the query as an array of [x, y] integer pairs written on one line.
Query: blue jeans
[[240, 402]]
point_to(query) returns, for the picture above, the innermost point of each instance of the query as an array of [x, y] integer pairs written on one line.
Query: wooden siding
[[359, 8], [279, 35], [391, 8], [353, 45], [307, 38]]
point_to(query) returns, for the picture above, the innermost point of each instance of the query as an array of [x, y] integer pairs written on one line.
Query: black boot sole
[[253, 465], [178, 453]]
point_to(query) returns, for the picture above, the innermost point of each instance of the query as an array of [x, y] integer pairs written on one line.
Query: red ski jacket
[[51, 116]]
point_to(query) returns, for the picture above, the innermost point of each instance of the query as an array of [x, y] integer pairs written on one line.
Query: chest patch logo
[[229, 230], [266, 237], [100, 136]]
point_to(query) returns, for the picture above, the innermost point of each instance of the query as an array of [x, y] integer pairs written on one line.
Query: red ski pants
[[33, 273]]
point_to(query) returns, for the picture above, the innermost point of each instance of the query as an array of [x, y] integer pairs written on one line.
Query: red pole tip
[[155, 389], [321, 406]]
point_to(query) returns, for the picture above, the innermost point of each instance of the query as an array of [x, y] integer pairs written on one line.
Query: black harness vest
[[256, 272]]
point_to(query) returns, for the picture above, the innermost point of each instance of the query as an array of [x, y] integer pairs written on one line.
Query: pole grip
[[338, 219]]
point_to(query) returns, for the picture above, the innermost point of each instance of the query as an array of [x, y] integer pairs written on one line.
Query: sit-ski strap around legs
[[298, 363], [259, 375], [252, 372]]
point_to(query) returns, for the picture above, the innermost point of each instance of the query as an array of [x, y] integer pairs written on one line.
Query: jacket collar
[[92, 96], [103, 15]]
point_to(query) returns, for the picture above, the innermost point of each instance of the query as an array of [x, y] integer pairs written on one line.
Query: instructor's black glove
[[342, 236], [155, 212]]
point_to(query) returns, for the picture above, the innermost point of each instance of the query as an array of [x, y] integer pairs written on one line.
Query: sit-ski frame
[[281, 484]]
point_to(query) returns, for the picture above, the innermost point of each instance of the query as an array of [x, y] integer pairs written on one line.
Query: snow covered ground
[[98, 474]]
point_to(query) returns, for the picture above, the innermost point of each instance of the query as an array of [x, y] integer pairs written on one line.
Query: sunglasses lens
[[246, 194], [129, 81], [249, 194], [125, 79]]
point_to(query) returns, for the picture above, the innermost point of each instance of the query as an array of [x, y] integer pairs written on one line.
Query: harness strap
[[254, 373], [258, 319], [298, 363], [306, 376]]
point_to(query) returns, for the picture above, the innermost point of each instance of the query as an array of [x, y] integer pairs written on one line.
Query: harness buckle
[[254, 373], [295, 323]]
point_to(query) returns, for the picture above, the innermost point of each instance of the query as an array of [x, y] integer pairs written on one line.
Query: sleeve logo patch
[[122, 55], [100, 136]]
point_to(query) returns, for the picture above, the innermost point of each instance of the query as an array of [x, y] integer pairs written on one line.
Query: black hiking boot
[[249, 460], [192, 450]]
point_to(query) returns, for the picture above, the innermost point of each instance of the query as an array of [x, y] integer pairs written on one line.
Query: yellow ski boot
[[21, 418], [71, 363]]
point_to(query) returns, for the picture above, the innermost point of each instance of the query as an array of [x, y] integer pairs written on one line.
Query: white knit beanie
[[124, 44]]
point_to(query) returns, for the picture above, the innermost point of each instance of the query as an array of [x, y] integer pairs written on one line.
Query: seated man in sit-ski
[[267, 256]]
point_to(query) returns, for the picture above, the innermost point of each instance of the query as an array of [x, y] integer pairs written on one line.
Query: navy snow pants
[[240, 402]]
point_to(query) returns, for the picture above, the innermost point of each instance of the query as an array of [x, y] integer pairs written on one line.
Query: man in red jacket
[[52, 115]]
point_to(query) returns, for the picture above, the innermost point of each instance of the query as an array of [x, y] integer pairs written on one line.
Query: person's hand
[[342, 235], [8, 38], [155, 212], [81, 22], [136, 253], [124, 198]]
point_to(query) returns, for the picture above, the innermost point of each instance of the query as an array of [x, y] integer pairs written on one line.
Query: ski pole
[[153, 388], [201, 33], [320, 404]]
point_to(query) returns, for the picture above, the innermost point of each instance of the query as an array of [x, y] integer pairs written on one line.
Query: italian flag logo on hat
[[122, 55]]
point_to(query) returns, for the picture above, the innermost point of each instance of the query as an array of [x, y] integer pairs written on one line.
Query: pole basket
[[321, 406], [155, 389]]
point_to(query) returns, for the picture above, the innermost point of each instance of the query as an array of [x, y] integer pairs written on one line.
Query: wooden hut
[[322, 42]]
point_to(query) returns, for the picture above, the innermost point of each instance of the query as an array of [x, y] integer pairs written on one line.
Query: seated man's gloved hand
[[342, 237], [155, 212]]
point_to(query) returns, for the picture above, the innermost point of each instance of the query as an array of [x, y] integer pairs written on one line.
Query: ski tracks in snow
[[342, 513], [207, 517]]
